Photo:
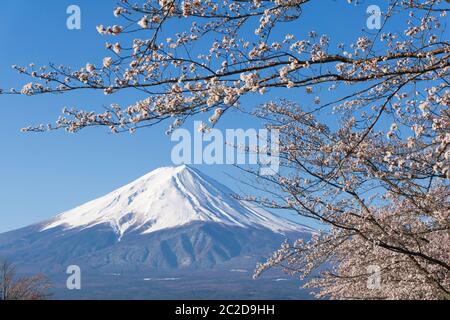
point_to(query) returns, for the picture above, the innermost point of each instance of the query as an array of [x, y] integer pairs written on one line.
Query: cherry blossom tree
[[385, 199], [366, 153]]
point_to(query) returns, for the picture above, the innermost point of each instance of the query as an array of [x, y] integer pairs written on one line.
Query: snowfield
[[170, 197]]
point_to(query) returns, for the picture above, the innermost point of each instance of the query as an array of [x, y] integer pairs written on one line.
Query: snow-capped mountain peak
[[170, 197]]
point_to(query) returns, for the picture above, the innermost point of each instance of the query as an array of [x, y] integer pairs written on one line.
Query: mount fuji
[[167, 198], [173, 219]]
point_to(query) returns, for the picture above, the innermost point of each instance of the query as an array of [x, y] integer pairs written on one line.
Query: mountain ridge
[[173, 218], [170, 197]]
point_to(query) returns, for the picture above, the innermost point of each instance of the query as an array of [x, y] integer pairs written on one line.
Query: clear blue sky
[[42, 175]]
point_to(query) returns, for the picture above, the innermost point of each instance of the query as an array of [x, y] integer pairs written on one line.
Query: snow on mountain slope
[[170, 197]]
